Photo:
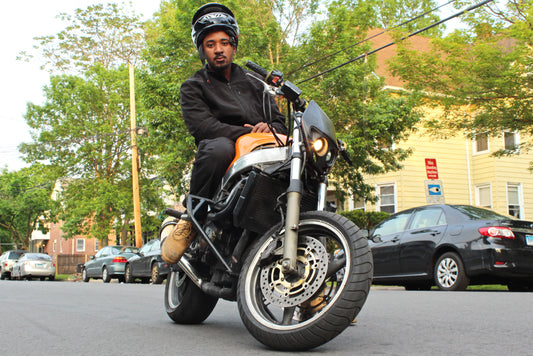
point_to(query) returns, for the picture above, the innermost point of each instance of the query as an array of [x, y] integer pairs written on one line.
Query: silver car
[[108, 263], [31, 265], [7, 260]]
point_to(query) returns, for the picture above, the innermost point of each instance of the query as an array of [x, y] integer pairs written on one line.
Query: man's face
[[218, 50]]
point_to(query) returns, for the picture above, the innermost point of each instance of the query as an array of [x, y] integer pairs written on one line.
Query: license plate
[[41, 265], [529, 240]]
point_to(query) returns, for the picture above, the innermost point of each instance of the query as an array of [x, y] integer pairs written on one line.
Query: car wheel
[[84, 276], [156, 276], [105, 276], [449, 273], [52, 278], [128, 277]]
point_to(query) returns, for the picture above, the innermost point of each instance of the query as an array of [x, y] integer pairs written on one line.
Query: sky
[[22, 82]]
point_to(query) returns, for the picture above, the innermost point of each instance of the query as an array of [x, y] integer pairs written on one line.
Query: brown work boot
[[312, 306], [177, 242]]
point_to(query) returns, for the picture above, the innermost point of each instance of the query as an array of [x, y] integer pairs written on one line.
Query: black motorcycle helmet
[[210, 17]]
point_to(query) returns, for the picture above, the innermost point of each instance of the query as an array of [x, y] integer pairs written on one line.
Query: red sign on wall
[[431, 168]]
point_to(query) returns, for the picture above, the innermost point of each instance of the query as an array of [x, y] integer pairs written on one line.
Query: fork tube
[[294, 196], [322, 193]]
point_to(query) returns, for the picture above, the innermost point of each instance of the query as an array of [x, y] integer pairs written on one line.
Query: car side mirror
[[92, 257], [376, 238]]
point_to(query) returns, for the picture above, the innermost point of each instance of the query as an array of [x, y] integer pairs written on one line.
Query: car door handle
[[395, 239], [434, 233]]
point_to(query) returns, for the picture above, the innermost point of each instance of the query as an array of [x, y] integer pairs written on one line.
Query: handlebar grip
[[173, 213], [257, 68]]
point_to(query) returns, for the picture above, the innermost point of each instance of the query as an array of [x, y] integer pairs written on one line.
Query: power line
[[473, 7], [371, 37]]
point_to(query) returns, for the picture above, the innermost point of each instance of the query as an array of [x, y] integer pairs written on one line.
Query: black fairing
[[317, 124]]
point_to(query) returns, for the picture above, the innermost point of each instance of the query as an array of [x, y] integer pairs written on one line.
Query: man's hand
[[261, 127]]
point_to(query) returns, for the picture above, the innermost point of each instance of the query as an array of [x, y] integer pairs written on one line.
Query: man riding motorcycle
[[220, 103]]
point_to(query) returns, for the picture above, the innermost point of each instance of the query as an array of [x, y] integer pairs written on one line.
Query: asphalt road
[[70, 318]]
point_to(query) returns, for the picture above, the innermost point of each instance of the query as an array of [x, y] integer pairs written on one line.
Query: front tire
[[84, 276], [295, 314], [128, 277], [450, 273], [184, 301]]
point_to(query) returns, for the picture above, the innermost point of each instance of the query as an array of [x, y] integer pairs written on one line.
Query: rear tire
[[105, 275], [184, 301], [156, 276], [450, 273]]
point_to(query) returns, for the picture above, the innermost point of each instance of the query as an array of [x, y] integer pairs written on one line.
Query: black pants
[[212, 159]]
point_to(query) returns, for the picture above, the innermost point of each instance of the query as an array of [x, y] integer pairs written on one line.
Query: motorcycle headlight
[[323, 153], [321, 146]]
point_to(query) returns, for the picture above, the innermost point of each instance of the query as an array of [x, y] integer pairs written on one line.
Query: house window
[[61, 245], [54, 246], [510, 141], [481, 142], [387, 198], [514, 200], [96, 244], [484, 196], [80, 245]]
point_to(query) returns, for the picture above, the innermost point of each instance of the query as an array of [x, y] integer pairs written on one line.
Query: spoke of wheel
[[288, 313]]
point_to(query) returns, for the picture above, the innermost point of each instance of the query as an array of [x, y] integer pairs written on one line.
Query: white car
[[7, 260], [32, 265]]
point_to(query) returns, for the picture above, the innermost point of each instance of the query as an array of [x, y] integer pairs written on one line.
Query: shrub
[[365, 219]]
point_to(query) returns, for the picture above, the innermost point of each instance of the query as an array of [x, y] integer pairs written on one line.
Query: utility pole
[[135, 162]]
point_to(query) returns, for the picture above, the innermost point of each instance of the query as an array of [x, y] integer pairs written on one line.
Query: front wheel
[[84, 276], [128, 276], [307, 309], [184, 301]]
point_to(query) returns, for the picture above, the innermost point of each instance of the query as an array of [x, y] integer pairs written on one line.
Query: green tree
[[83, 129], [109, 35], [25, 204], [367, 118], [484, 70]]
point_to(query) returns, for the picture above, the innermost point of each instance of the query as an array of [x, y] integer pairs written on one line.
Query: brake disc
[[287, 291]]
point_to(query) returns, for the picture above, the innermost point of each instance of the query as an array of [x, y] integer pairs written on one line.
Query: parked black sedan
[[147, 264], [452, 246]]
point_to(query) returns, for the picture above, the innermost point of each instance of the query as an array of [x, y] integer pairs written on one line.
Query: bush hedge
[[365, 219]]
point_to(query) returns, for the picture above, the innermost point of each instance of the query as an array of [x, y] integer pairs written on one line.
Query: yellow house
[[455, 170]]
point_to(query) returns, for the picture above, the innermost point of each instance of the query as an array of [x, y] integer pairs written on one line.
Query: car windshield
[[475, 213], [37, 256]]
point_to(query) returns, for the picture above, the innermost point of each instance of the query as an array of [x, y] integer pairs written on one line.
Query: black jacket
[[214, 107]]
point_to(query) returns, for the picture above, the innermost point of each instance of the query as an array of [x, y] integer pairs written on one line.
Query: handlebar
[[275, 78]]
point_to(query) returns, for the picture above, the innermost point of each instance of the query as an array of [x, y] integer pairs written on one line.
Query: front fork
[[294, 197]]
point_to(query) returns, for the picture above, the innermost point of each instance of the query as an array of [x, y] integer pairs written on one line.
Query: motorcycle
[[300, 273]]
